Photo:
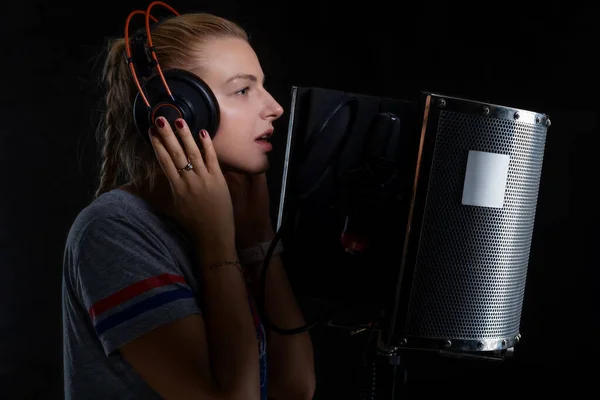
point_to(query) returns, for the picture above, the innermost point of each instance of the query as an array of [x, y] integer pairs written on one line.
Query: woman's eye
[[243, 91]]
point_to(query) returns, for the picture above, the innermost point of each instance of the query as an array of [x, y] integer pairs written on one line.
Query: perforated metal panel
[[472, 261]]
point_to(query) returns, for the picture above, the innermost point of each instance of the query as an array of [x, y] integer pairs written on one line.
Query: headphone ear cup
[[193, 100]]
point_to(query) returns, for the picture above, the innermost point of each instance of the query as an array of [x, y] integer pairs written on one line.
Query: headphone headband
[[154, 59], [195, 101], [139, 53]]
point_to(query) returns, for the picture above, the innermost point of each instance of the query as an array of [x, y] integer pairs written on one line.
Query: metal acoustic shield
[[462, 277]]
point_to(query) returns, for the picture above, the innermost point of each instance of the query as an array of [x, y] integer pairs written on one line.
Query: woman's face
[[234, 74]]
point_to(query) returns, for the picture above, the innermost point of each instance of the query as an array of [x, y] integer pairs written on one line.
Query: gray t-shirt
[[127, 270]]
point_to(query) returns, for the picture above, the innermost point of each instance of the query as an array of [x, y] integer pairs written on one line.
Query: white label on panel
[[485, 179]]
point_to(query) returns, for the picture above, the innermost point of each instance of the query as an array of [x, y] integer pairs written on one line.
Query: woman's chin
[[247, 168]]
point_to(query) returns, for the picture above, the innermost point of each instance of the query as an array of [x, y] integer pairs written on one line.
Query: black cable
[[349, 101]]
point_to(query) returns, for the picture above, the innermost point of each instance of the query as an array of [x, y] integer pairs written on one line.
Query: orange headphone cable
[[128, 50], [151, 47]]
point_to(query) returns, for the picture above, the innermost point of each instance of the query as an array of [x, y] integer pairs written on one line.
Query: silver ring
[[188, 167]]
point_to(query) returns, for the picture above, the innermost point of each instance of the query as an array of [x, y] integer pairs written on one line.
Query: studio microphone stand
[[385, 373]]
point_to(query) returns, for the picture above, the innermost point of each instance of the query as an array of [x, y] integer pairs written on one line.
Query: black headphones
[[171, 94]]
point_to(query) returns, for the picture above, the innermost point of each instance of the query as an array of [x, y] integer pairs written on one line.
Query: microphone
[[371, 182]]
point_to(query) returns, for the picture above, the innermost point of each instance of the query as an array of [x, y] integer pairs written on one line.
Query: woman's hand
[[251, 207], [201, 197]]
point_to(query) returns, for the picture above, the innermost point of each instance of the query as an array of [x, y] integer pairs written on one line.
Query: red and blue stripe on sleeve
[[111, 311]]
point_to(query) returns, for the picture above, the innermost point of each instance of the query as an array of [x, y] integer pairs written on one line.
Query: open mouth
[[264, 141], [265, 137]]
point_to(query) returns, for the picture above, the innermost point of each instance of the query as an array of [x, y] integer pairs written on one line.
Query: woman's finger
[[190, 146], [212, 161], [163, 156], [171, 144]]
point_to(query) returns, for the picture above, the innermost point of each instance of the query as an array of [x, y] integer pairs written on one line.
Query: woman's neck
[[159, 197]]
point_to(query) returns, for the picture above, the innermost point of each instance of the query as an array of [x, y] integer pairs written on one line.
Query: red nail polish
[[203, 133], [152, 131], [179, 124], [160, 122]]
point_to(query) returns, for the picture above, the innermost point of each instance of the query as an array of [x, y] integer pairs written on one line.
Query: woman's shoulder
[[111, 210]]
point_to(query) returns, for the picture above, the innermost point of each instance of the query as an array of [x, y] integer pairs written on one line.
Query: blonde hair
[[126, 157]]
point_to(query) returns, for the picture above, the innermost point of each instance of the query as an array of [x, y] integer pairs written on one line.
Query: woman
[[156, 303]]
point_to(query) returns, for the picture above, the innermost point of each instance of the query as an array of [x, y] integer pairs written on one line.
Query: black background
[[536, 56]]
